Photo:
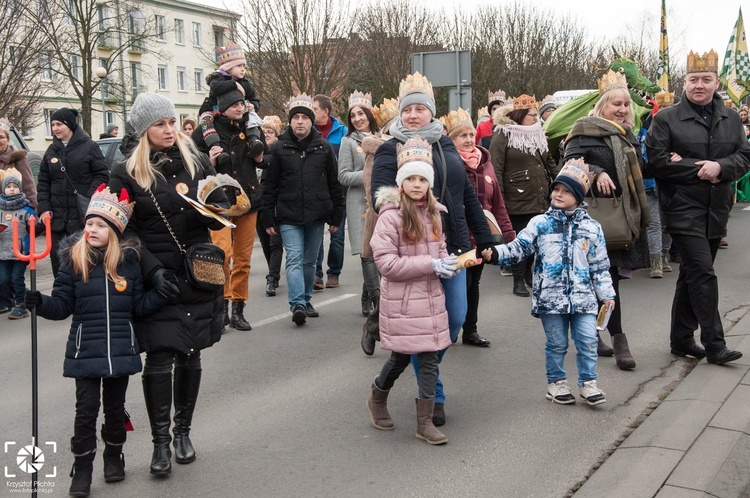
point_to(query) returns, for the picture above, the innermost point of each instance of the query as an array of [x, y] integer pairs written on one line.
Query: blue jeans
[[301, 243], [583, 331], [11, 276], [335, 253], [456, 304]]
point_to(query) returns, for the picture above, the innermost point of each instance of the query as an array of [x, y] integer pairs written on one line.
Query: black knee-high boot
[[157, 390], [187, 381]]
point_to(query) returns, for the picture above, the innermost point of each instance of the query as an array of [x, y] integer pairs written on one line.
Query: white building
[[174, 63]]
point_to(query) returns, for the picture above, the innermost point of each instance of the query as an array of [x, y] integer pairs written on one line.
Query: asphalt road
[[282, 408]]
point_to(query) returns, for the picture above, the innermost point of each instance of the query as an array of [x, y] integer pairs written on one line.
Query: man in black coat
[[696, 149], [300, 195], [237, 242]]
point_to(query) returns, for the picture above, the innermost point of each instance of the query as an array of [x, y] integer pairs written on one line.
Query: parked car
[[18, 143], [111, 149]]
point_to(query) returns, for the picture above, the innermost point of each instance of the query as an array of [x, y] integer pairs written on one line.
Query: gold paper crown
[[303, 100], [706, 63], [5, 125], [415, 83], [579, 171], [272, 122], [11, 175], [524, 102], [496, 95], [415, 149], [664, 98], [482, 112], [457, 118], [222, 180], [612, 80], [385, 112], [360, 99], [106, 205], [549, 99]]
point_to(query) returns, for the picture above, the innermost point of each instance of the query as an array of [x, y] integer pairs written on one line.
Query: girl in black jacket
[[100, 284]]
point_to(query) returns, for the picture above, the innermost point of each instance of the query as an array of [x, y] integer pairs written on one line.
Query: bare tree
[[19, 66], [71, 32], [297, 46]]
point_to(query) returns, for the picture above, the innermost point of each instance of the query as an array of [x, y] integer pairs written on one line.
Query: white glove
[[445, 267]]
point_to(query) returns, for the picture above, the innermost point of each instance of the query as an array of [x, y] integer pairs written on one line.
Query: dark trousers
[[273, 250], [397, 363], [53, 257], [12, 277], [473, 275], [522, 269], [162, 361], [696, 297], [87, 408], [615, 319]]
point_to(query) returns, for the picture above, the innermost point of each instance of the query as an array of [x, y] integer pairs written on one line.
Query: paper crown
[[303, 100], [272, 122], [524, 102], [482, 113], [576, 176], [549, 99], [5, 125], [457, 118], [414, 149], [664, 98], [212, 182], [385, 112], [106, 205], [360, 99], [10, 175], [496, 95], [415, 83], [229, 53], [706, 63], [610, 81]]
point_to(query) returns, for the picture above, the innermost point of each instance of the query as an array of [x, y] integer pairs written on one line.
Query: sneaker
[[298, 315], [18, 313], [332, 281], [318, 284], [592, 394], [559, 392], [723, 243], [505, 271], [4, 309], [665, 266]]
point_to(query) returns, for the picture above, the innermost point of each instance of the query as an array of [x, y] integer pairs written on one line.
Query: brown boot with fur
[[426, 430], [377, 405]]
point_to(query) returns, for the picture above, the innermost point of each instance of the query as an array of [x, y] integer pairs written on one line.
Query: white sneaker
[[559, 392], [592, 394], [505, 271]]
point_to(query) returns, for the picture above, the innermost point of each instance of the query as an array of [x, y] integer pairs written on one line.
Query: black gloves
[[32, 299], [165, 283], [487, 245]]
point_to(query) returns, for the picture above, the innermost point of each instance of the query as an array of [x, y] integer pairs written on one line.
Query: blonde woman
[[164, 164]]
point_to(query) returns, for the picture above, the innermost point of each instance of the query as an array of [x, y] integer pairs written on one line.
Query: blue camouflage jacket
[[571, 269]]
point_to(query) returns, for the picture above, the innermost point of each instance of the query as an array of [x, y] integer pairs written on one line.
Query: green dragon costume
[[561, 121]]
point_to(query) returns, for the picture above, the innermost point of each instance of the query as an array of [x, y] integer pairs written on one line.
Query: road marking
[[284, 316], [746, 209]]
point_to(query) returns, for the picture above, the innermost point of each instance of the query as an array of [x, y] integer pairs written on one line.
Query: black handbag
[[610, 213], [204, 261], [82, 202]]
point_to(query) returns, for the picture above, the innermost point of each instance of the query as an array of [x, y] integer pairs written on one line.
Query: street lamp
[[101, 73]]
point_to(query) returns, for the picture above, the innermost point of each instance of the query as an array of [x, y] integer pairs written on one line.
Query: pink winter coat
[[413, 318]]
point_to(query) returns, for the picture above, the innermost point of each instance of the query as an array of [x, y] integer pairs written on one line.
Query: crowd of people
[[426, 203]]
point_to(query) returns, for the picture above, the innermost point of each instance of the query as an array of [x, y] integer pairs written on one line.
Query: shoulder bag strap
[[164, 219], [64, 172], [445, 172]]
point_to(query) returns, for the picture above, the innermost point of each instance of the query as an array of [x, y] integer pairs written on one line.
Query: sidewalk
[[696, 443]]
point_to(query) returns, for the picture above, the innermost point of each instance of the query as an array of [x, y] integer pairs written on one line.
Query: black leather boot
[[157, 391], [270, 286], [238, 319], [519, 275], [371, 328], [84, 453], [114, 461], [226, 313], [187, 382]]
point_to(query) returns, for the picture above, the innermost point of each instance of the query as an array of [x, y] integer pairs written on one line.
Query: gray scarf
[[431, 132], [358, 136]]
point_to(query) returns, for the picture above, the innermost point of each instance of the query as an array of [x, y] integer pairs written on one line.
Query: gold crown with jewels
[[415, 83], [496, 95], [612, 80], [524, 102], [303, 100], [664, 98], [385, 112], [706, 63], [459, 117], [415, 149], [360, 99]]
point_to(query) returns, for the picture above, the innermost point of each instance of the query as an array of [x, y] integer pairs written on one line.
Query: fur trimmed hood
[[129, 245], [392, 195], [17, 155], [500, 116]]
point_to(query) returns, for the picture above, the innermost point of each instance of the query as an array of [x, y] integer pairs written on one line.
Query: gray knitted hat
[[149, 108]]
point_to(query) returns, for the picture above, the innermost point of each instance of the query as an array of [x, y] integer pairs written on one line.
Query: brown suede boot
[[602, 349], [426, 430], [623, 357], [377, 405]]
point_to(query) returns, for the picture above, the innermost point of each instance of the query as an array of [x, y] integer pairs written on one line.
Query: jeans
[[301, 243], [658, 239], [335, 253], [11, 276], [583, 331], [397, 363], [87, 408], [456, 305]]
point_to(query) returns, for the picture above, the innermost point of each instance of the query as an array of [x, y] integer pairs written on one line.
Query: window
[[101, 17], [48, 122], [218, 37], [196, 33], [76, 66], [160, 25], [110, 117], [45, 61], [136, 78], [162, 77], [105, 88], [181, 79], [179, 31], [70, 14], [199, 81]]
